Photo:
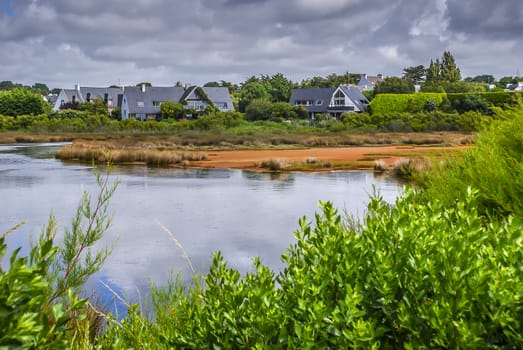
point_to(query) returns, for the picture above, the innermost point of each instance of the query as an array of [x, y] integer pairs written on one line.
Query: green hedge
[[402, 103], [499, 99], [413, 103]]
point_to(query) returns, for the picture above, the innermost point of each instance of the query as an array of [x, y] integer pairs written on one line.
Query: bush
[[21, 101], [39, 303], [413, 275], [494, 167]]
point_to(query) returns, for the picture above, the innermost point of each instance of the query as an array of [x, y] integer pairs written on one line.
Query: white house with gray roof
[[111, 96], [333, 101], [143, 102]]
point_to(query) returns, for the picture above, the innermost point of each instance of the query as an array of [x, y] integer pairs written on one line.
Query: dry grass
[[407, 167], [101, 153], [274, 164]]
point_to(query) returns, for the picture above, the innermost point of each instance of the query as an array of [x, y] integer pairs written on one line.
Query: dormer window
[[319, 102], [157, 103], [140, 104]]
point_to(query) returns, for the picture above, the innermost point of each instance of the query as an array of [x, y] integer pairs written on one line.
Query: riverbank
[[312, 153]]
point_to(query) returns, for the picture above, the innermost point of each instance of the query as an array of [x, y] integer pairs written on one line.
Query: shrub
[[20, 101], [494, 167], [412, 275], [39, 303]]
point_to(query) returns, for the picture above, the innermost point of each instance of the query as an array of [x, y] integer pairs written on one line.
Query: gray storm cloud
[[96, 42]]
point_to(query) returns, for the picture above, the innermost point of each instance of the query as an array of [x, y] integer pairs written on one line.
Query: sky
[[124, 42]]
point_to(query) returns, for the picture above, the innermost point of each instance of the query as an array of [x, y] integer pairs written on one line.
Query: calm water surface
[[243, 214]]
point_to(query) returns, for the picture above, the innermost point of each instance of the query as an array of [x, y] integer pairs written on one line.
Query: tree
[[144, 83], [485, 78], [415, 75], [20, 101], [279, 88], [95, 106], [40, 88], [449, 70], [433, 72], [506, 80], [251, 91], [211, 84], [9, 85], [259, 109], [394, 85], [170, 109]]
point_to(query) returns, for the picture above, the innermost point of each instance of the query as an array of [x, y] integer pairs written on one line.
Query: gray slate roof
[[219, 94], [356, 96], [322, 94], [96, 92], [134, 94]]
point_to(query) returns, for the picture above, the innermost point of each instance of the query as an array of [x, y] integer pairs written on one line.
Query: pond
[[243, 214]]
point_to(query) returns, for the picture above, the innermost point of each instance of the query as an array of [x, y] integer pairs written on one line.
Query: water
[[243, 214]]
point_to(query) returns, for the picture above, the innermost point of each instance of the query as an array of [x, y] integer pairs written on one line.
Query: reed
[[149, 156], [274, 164]]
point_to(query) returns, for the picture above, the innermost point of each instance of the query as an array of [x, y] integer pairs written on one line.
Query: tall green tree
[[252, 91], [415, 74], [449, 70], [279, 88], [433, 72]]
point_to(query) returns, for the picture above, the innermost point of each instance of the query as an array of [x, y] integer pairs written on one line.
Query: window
[[106, 97], [157, 103], [304, 102], [339, 98], [140, 104], [88, 97], [74, 99], [319, 102]]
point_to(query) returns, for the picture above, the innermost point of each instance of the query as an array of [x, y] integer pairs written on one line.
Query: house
[[111, 96], [143, 102], [517, 86], [367, 82], [333, 101]]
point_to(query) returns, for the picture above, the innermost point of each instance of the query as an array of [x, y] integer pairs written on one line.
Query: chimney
[[77, 87], [143, 87]]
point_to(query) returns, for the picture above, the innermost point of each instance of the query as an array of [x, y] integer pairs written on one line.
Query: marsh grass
[[407, 168], [101, 153], [274, 164]]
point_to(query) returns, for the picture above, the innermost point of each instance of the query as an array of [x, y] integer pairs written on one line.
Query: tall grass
[[104, 154], [494, 167]]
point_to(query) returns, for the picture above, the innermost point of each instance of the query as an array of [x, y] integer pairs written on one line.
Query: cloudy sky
[[104, 42]]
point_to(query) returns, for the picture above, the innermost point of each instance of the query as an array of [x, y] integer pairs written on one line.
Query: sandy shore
[[251, 159]]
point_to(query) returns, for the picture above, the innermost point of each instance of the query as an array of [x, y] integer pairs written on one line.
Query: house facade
[[143, 102], [111, 96], [333, 101], [367, 82]]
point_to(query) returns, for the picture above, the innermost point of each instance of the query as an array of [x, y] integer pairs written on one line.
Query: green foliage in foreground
[[494, 166], [412, 275], [40, 306]]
